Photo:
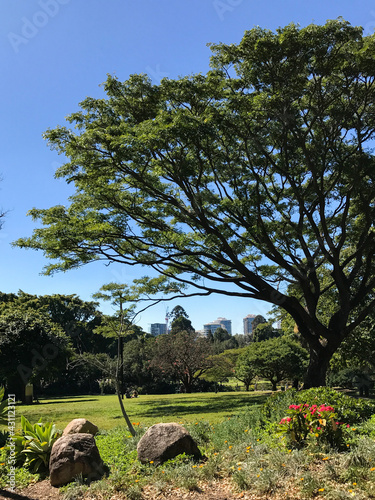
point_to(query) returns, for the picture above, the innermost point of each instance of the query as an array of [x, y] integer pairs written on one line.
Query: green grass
[[237, 442], [104, 411]]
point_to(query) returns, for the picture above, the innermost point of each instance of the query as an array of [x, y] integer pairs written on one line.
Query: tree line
[[64, 345]]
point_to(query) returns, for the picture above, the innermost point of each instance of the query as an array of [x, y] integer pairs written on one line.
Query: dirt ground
[[216, 490]]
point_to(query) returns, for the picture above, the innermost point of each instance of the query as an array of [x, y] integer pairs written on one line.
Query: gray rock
[[80, 425], [72, 455], [165, 441]]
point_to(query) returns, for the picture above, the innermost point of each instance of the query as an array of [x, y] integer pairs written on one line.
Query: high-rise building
[[158, 329], [224, 323], [248, 324]]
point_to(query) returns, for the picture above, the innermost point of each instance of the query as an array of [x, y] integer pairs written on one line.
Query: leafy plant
[[3, 407], [316, 424], [33, 446], [349, 410]]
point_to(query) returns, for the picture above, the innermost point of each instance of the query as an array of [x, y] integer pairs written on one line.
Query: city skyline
[[219, 322]]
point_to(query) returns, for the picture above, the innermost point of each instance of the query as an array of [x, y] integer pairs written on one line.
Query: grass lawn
[[104, 411]]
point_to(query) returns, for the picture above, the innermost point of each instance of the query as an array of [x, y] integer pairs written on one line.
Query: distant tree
[[223, 365], [244, 370], [32, 349], [222, 340], [76, 317], [180, 320], [182, 355], [178, 312], [265, 331], [221, 334], [276, 359], [138, 353], [242, 340], [258, 320]]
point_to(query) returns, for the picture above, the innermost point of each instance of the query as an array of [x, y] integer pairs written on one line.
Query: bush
[[349, 410], [312, 425], [33, 446], [347, 377]]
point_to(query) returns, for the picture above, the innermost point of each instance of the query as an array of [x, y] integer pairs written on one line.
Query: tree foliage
[[183, 355], [32, 348], [275, 359], [257, 174]]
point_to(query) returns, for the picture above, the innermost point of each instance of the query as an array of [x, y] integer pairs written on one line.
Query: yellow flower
[[151, 461], [350, 491], [301, 478], [325, 458], [239, 468], [289, 451], [200, 466], [354, 484], [163, 471], [136, 481], [225, 442], [258, 475], [194, 466], [321, 489], [372, 468], [246, 430], [316, 435], [283, 465], [230, 447]]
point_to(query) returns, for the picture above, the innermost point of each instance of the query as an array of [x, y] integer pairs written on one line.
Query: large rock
[[80, 425], [72, 455], [165, 441]]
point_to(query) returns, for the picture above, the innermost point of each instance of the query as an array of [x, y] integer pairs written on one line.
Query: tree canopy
[[256, 175], [274, 359]]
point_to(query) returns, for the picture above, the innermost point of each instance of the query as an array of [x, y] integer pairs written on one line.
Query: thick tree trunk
[[318, 366]]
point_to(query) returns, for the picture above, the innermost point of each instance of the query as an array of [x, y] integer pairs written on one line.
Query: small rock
[[80, 425], [72, 455], [165, 441]]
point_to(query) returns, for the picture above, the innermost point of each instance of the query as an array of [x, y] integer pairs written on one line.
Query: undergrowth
[[248, 449]]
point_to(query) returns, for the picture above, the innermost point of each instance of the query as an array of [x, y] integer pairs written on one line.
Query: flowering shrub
[[313, 423]]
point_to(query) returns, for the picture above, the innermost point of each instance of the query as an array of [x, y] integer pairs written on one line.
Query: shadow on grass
[[218, 404], [42, 402]]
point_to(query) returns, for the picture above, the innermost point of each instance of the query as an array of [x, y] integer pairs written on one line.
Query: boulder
[[80, 425], [72, 455], [165, 441]]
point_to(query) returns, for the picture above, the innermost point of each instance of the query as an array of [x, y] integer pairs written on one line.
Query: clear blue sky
[[54, 53]]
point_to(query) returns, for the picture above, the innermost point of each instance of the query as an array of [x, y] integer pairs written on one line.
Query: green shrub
[[3, 408], [314, 425], [33, 446], [349, 410]]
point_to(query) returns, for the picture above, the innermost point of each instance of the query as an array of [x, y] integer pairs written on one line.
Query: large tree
[[256, 175]]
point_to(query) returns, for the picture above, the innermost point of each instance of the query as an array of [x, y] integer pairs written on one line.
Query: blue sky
[[54, 53]]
